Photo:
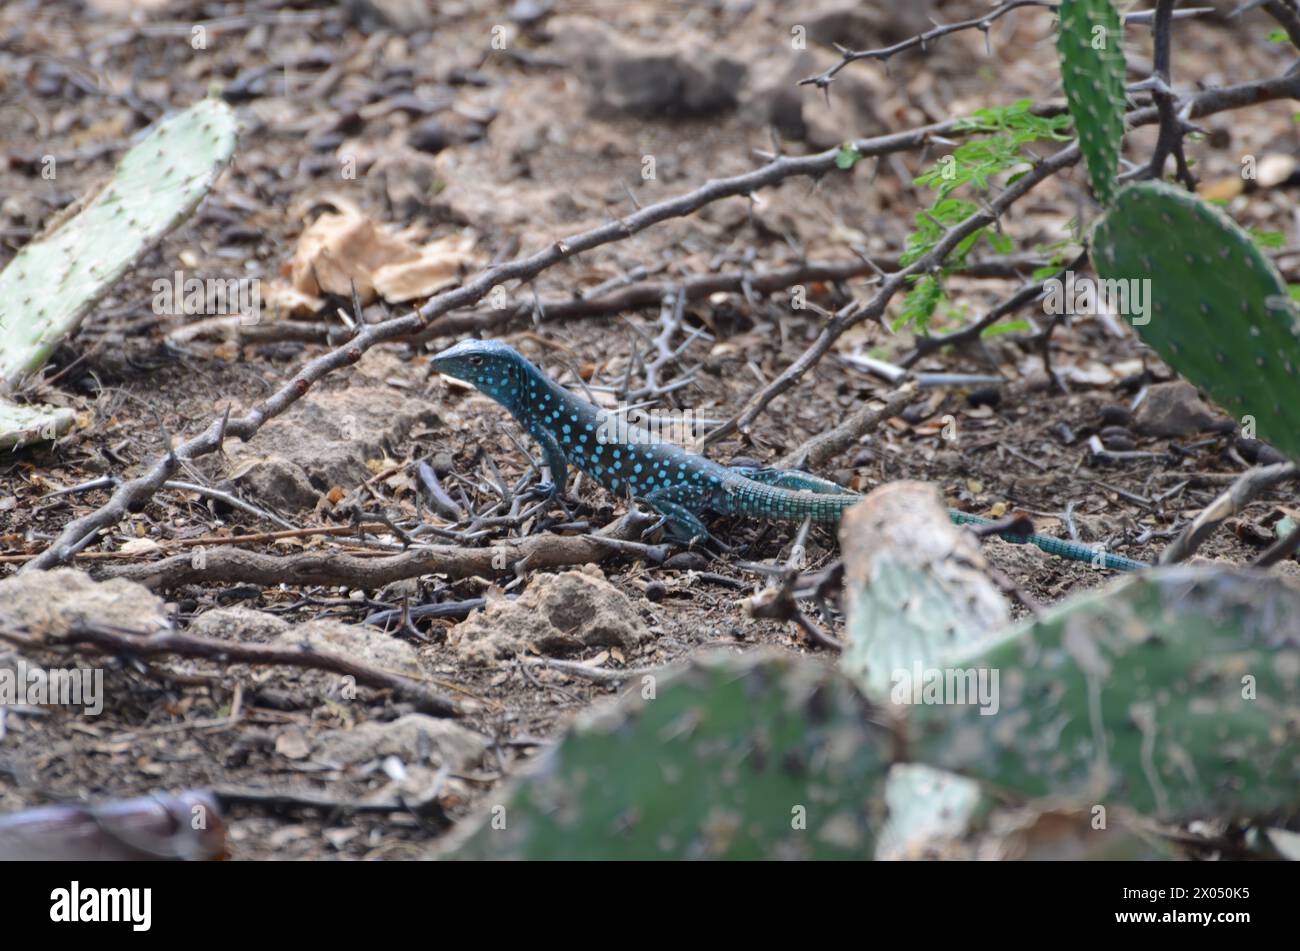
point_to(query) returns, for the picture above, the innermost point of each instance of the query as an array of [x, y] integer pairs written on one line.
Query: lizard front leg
[[555, 460], [677, 514]]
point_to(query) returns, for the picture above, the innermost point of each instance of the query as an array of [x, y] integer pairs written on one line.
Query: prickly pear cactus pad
[[928, 810], [757, 757], [1174, 693], [915, 586], [1091, 50], [1219, 313], [20, 425], [54, 281]]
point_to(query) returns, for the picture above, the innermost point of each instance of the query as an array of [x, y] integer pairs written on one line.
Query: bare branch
[[825, 445], [981, 23], [239, 566], [921, 40], [1238, 495], [1231, 97]]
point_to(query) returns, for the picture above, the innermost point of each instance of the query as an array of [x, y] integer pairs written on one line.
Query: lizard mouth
[[444, 362]]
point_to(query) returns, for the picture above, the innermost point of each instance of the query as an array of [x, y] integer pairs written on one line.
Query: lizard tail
[[1058, 546], [749, 496]]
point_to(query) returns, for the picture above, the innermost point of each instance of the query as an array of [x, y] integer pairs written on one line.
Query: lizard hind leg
[[791, 479], [681, 523]]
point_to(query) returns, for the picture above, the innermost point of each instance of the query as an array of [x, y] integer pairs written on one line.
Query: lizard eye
[[476, 361]]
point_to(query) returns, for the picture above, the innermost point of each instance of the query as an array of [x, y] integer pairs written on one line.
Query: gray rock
[[366, 645], [1173, 409], [558, 614], [405, 16], [303, 685], [858, 25], [431, 136], [47, 604], [650, 79], [324, 443], [239, 624], [277, 482], [1117, 438], [415, 739]]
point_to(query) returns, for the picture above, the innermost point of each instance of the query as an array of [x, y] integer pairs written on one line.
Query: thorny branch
[[921, 41], [982, 23], [1173, 127], [1231, 97], [1285, 13], [604, 302]]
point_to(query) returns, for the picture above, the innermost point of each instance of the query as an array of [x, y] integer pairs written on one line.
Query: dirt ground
[[514, 149]]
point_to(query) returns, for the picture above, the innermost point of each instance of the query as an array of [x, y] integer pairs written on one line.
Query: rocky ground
[[476, 133]]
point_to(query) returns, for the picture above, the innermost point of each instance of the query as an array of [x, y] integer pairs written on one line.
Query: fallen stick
[[600, 675], [815, 451], [237, 566], [295, 800], [257, 538], [1238, 495]]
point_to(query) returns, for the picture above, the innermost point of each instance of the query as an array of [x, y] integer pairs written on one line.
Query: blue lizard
[[678, 484]]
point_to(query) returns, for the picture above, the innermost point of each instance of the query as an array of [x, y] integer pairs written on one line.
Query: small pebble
[[1259, 453], [1113, 414], [1118, 438], [687, 561], [431, 136], [916, 413], [985, 396]]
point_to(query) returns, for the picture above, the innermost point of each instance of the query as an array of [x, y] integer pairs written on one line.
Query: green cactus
[[20, 425], [909, 599], [1090, 44], [927, 808], [55, 279], [1219, 313], [908, 613], [760, 756], [1174, 693]]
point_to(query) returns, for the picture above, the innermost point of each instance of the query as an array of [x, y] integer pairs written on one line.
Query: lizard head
[[495, 368]]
